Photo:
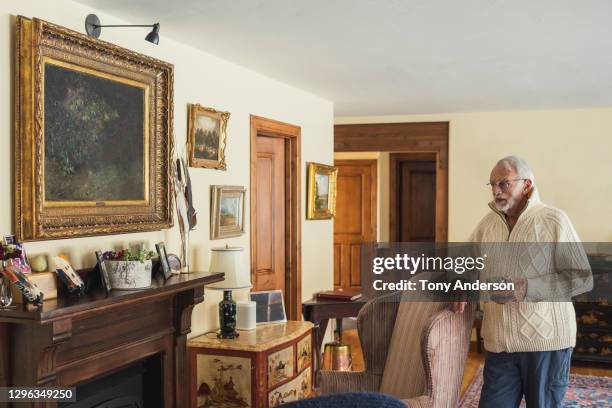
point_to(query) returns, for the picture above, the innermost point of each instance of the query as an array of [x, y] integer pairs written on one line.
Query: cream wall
[[570, 152], [199, 78]]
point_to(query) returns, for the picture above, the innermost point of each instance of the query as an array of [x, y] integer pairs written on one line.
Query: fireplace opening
[[136, 386]]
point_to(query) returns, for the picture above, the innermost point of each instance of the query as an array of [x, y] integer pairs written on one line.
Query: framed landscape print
[[93, 136], [321, 194], [207, 137], [227, 211]]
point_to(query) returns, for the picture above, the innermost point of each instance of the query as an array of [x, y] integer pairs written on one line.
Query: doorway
[[275, 210], [355, 221], [420, 138], [412, 197]]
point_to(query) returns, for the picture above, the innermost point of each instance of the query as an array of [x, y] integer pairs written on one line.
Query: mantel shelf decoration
[[93, 136]]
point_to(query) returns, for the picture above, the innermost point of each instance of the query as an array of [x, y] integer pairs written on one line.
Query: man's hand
[[458, 307], [511, 296]]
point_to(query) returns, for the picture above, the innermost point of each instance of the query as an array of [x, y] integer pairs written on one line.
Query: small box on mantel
[[45, 281]]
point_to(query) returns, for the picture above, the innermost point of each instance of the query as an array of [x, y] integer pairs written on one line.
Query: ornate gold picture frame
[[227, 211], [93, 136], [321, 195], [207, 136]]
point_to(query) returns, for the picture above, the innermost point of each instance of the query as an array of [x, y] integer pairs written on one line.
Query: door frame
[[293, 251], [394, 160], [411, 137]]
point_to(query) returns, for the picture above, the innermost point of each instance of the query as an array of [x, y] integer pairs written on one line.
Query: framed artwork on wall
[[206, 139], [93, 136], [227, 211], [321, 194]]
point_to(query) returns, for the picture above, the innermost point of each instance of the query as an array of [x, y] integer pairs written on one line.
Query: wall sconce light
[[94, 28]]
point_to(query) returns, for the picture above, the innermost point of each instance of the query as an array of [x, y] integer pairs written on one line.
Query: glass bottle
[[6, 297]]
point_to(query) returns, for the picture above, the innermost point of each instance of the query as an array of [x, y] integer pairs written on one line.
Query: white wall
[[199, 78], [570, 152]]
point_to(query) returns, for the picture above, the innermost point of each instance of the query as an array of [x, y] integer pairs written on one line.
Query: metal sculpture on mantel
[[186, 213]]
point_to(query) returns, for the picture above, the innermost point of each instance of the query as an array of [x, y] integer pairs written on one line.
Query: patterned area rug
[[583, 391]]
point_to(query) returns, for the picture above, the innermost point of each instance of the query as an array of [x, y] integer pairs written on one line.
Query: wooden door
[[276, 211], [355, 221], [412, 198], [269, 218]]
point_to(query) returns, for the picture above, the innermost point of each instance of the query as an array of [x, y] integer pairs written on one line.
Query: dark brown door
[[270, 215], [355, 220], [412, 198]]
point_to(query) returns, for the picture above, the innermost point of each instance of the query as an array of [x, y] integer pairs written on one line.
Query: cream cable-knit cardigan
[[552, 271]]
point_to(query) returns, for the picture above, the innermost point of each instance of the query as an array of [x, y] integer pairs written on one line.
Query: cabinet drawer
[[298, 388], [304, 353], [280, 366]]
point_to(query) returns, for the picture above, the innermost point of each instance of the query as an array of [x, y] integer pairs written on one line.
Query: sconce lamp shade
[[153, 36], [230, 260]]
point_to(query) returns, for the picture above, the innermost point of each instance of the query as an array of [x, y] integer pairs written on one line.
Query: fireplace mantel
[[69, 341]]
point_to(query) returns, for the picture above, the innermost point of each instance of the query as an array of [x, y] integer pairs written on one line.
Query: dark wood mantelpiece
[[68, 341]]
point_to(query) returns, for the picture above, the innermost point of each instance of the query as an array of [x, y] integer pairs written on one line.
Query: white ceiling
[[373, 57]]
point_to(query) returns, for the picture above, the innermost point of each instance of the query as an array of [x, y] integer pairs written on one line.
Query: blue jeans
[[540, 376]]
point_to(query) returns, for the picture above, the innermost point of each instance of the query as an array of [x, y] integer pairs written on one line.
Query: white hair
[[522, 169]]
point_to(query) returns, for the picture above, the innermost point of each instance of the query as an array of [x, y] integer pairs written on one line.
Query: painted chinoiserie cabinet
[[261, 368]]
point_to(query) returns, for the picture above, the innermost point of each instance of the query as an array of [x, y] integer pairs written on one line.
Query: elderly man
[[528, 336]]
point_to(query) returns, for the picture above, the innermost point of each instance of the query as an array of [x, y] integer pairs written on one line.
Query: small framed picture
[[71, 279], [207, 134], [270, 307], [163, 260], [9, 240], [227, 211], [104, 280], [321, 196]]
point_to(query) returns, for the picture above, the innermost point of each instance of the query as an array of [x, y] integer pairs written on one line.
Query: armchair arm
[[444, 347], [332, 382]]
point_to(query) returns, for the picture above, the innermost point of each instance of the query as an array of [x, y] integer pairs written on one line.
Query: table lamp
[[229, 260]]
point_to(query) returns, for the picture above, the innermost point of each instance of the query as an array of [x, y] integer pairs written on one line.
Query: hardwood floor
[[474, 361]]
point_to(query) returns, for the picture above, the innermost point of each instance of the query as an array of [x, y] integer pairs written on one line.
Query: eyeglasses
[[504, 185]]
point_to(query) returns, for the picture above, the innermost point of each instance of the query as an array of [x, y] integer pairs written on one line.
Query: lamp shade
[[153, 36], [230, 260]]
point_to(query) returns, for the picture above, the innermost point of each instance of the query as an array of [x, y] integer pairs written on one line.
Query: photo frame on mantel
[[93, 136]]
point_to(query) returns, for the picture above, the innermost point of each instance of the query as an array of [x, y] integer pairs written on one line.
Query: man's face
[[508, 192]]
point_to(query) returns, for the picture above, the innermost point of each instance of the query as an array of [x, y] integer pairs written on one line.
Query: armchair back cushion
[[404, 374]]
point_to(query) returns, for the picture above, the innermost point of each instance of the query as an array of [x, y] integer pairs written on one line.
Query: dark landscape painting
[[207, 133], [94, 137]]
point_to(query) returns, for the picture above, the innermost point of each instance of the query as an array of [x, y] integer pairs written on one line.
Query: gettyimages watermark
[[485, 271]]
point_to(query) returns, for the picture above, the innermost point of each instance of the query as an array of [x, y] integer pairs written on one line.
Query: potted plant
[[129, 269]]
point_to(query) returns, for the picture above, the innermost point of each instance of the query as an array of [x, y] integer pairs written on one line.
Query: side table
[[319, 311], [261, 368]]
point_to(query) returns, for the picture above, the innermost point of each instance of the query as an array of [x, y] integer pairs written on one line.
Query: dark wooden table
[[319, 311], [68, 341]]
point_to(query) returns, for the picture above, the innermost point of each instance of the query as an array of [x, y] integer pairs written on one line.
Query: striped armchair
[[414, 351]]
